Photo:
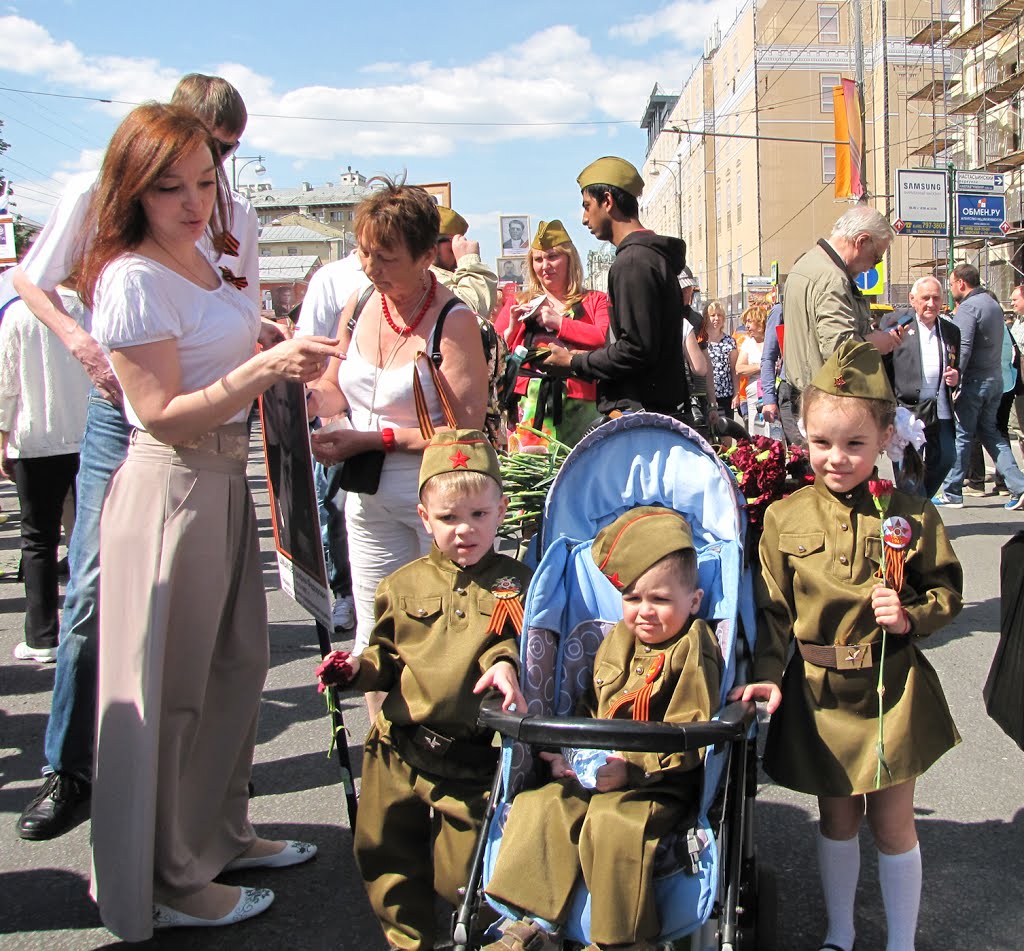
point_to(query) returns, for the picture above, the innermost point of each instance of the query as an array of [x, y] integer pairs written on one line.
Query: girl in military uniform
[[821, 554], [661, 664]]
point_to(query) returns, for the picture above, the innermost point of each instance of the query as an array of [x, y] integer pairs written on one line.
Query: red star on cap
[[460, 460], [839, 381], [614, 579]]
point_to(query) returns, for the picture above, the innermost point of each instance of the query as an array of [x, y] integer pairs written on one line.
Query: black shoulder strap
[[360, 304], [841, 264], [435, 353]]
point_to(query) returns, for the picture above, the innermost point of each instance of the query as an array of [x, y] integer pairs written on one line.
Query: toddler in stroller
[[703, 873], [659, 664]]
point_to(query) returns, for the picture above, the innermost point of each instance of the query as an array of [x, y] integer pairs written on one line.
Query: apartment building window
[[828, 164], [337, 216], [739, 259], [718, 206], [739, 196], [826, 82], [293, 251], [828, 22], [728, 206]]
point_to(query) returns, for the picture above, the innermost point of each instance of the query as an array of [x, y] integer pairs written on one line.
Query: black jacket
[[903, 365], [641, 366]]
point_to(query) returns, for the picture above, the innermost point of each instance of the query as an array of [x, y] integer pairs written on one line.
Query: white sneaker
[[343, 614], [42, 655]]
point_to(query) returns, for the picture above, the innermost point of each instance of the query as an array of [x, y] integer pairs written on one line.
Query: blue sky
[[495, 72]]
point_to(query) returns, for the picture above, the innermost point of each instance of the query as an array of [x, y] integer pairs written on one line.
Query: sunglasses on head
[[224, 149]]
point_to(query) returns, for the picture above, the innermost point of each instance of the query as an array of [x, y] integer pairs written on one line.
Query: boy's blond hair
[[457, 484]]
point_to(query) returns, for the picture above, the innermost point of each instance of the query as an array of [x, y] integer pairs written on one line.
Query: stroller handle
[[628, 736]]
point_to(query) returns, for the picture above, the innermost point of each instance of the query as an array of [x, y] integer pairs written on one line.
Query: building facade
[[742, 163]]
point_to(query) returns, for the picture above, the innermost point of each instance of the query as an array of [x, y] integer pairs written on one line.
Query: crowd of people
[[133, 353]]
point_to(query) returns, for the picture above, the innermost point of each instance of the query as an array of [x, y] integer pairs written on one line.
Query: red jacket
[[586, 332]]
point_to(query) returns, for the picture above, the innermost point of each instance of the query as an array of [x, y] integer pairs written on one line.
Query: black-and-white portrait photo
[[515, 234], [512, 271]]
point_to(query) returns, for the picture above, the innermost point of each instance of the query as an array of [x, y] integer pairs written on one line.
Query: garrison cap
[[611, 170], [856, 370], [549, 235], [637, 540], [455, 450], [452, 223]]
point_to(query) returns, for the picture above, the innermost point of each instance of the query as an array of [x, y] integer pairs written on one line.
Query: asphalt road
[[969, 805]]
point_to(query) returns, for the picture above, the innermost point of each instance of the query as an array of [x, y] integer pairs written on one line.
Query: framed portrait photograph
[[512, 270], [441, 192], [515, 234]]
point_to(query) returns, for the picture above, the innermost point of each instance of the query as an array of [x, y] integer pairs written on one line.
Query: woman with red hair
[[183, 624]]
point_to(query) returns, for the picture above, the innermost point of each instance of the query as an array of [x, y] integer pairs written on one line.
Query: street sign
[[775, 272], [980, 216], [922, 201], [898, 226], [980, 182], [872, 281]]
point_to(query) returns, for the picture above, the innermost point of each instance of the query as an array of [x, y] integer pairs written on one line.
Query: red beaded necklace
[[414, 323]]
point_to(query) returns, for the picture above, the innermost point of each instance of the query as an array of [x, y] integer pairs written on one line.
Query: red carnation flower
[[334, 671]]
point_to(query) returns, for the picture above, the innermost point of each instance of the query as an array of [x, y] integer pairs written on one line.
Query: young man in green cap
[[446, 631], [642, 365], [458, 266], [661, 664]]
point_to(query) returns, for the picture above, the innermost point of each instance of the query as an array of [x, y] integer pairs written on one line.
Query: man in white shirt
[[1017, 332], [60, 801]]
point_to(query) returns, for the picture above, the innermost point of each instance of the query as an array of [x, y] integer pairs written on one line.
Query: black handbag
[[361, 473], [927, 411]]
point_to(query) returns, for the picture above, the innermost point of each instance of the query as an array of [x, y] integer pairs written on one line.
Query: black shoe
[[56, 808]]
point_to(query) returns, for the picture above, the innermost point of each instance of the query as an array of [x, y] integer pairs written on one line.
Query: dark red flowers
[[334, 671], [765, 471]]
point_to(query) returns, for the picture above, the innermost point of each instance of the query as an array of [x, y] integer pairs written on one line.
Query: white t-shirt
[[140, 301], [329, 291], [51, 258]]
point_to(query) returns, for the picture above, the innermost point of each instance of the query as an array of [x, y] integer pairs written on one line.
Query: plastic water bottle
[[513, 364], [585, 764]]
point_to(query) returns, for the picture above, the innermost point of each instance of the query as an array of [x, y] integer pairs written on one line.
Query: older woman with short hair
[[384, 334], [748, 365]]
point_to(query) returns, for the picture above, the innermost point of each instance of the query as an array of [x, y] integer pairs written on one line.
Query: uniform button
[[598, 680], [843, 559], [800, 548], [639, 670], [460, 590], [845, 527], [647, 648], [422, 612], [459, 612]]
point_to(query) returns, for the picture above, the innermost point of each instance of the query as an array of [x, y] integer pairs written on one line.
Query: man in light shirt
[[1017, 332]]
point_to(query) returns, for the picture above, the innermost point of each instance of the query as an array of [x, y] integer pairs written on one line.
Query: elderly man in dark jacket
[[924, 372]]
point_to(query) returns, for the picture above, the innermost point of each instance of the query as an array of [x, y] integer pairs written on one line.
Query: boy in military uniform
[[659, 663], [446, 629]]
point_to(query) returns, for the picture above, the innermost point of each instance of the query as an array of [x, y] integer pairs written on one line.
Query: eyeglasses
[[227, 149], [874, 251], [444, 239]]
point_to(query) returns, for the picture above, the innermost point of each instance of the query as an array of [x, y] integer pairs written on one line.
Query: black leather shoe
[[60, 804]]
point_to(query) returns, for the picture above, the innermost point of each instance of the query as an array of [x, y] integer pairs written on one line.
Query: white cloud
[[36, 197], [554, 76], [689, 21]]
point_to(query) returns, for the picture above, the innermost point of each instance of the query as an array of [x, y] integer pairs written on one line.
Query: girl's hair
[[714, 305], [399, 215], [457, 484], [575, 290], [149, 141]]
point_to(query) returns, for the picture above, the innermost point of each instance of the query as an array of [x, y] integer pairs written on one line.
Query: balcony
[[989, 26], [933, 31], [943, 142]]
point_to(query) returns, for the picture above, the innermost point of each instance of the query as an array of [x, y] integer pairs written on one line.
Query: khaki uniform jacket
[[819, 555], [430, 644], [561, 831], [472, 282], [822, 308]]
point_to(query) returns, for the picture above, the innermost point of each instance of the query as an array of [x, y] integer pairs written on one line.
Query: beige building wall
[[759, 200]]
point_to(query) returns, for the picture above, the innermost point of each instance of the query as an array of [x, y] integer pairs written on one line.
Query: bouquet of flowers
[[765, 471], [527, 477]]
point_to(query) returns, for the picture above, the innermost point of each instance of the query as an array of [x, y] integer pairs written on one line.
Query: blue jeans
[[71, 728], [333, 533], [976, 409]]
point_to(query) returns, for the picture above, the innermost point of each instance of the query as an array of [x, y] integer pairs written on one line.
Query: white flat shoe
[[251, 902], [293, 853]]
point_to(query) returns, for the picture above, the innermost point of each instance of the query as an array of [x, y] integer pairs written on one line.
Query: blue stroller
[[708, 883]]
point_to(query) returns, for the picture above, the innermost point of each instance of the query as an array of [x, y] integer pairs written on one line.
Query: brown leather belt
[[465, 752], [841, 656]]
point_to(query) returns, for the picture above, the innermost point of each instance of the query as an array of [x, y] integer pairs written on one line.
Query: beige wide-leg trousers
[[183, 656]]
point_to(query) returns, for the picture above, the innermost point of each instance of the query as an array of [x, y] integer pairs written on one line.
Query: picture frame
[[515, 234], [512, 270]]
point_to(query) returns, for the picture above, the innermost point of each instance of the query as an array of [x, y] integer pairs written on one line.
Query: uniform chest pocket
[[873, 549], [485, 602], [606, 675], [422, 608], [801, 544]]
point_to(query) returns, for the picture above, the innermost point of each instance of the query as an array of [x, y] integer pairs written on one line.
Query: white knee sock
[[839, 867], [900, 878]]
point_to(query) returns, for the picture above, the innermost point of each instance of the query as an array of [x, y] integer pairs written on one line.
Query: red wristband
[[388, 436]]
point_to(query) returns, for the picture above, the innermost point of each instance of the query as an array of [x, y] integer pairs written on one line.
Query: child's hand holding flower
[[613, 774], [889, 612], [338, 669]]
